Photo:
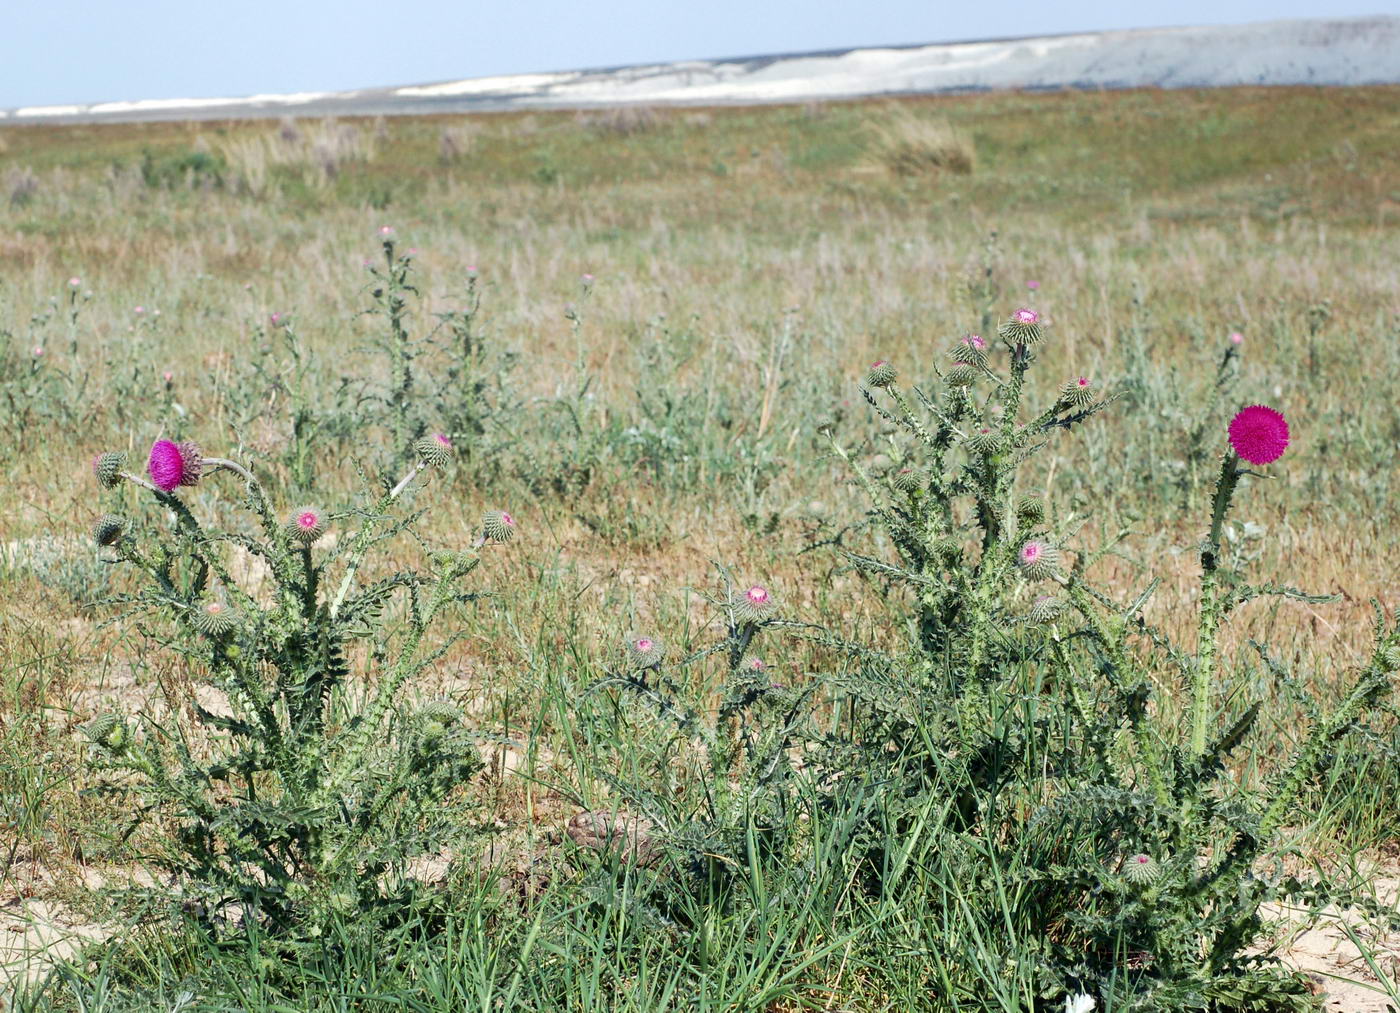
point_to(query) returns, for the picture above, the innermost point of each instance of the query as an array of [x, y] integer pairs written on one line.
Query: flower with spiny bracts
[[214, 618], [970, 350], [947, 548], [753, 665], [753, 605], [306, 525], [1023, 328], [1046, 609], [1140, 870], [1037, 559], [881, 374], [435, 449], [983, 440], [960, 375], [1030, 510], [439, 712], [645, 651], [907, 480], [108, 466], [107, 530], [497, 526], [108, 731], [1077, 392], [1389, 657], [173, 464]]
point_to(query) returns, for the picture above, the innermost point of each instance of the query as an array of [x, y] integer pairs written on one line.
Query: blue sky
[[98, 50]]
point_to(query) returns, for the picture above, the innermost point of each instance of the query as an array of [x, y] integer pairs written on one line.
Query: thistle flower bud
[[907, 480], [172, 464], [1023, 328], [497, 526], [753, 605], [645, 651], [753, 665], [435, 449], [305, 525], [1030, 510], [971, 350], [109, 731], [1389, 657], [439, 712], [107, 467], [1037, 560], [947, 548], [1077, 392], [983, 440], [107, 529], [1046, 609], [1140, 870], [881, 374], [214, 619], [960, 375]]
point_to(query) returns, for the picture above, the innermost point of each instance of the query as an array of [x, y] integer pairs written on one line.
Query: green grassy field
[[639, 331]]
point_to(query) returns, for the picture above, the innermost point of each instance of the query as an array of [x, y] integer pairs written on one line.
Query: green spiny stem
[[366, 533], [1210, 607], [1113, 642]]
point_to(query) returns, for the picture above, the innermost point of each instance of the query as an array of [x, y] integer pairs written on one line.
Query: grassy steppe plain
[[746, 267]]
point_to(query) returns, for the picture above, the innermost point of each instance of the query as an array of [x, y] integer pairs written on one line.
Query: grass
[[749, 264]]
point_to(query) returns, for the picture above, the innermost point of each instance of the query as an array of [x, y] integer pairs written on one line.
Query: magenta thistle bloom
[[434, 449], [1236, 338], [645, 651], [1032, 285], [306, 525], [1077, 392], [173, 464], [75, 283], [881, 374], [386, 232], [498, 526], [970, 350], [754, 604], [1025, 316], [1023, 328], [1259, 434], [1037, 559]]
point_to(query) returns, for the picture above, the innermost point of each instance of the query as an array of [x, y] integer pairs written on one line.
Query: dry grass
[[908, 144]]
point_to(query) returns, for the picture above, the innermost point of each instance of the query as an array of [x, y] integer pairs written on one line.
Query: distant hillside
[[1324, 52]]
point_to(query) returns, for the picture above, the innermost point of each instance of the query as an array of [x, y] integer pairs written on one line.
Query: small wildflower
[[587, 278], [278, 319], [971, 350], [753, 664], [1081, 1003], [1236, 338], [386, 232], [108, 530], [167, 376], [1259, 434], [881, 374], [172, 464], [306, 525], [75, 282], [139, 310], [754, 604], [472, 271], [38, 351], [1141, 869], [1077, 392], [645, 651], [107, 467], [435, 450], [498, 526], [214, 619], [1037, 559], [1032, 285], [1023, 328]]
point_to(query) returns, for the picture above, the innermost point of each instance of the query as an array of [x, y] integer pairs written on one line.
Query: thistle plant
[[1135, 853], [315, 780]]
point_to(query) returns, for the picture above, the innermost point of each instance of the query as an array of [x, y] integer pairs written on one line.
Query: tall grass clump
[[910, 145]]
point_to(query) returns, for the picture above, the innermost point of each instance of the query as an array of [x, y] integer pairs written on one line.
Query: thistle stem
[[1210, 610]]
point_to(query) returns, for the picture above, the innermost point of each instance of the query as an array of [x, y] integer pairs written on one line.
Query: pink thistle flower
[[1259, 434], [881, 374], [1032, 285], [413, 251], [498, 526], [1236, 338], [1037, 559], [587, 278], [386, 232], [38, 351], [754, 604], [167, 376], [645, 651], [139, 310], [276, 319], [172, 464], [1025, 316], [307, 525], [472, 270], [75, 282]]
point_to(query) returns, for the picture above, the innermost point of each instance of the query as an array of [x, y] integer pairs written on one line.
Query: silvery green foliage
[[1131, 856], [312, 782]]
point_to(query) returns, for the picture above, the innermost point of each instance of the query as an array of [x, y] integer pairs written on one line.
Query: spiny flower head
[[435, 449], [108, 731], [1030, 509], [881, 374], [907, 480], [645, 651], [983, 440], [1259, 434], [107, 529], [439, 713], [1037, 559], [498, 526], [1077, 392], [961, 375], [173, 464], [1046, 609], [970, 350], [1023, 328], [214, 618], [306, 524], [753, 604], [1141, 869], [107, 467]]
